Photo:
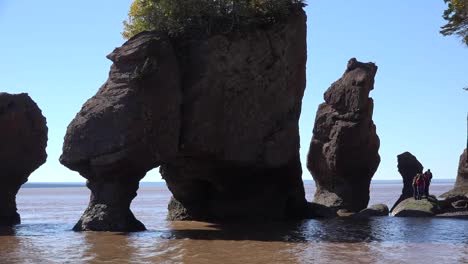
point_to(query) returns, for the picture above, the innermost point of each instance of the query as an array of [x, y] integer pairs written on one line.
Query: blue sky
[[55, 51]]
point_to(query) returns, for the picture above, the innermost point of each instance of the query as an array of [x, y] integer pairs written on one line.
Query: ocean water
[[48, 214]]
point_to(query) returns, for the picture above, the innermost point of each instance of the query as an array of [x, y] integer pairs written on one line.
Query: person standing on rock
[[418, 186], [427, 181], [415, 187]]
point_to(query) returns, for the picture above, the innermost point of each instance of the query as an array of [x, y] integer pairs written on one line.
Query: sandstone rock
[[238, 155], [129, 127], [343, 154], [461, 183], [374, 210], [218, 114], [408, 167], [23, 137], [417, 208]]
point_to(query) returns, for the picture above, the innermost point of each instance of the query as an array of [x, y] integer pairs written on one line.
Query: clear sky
[[55, 51]]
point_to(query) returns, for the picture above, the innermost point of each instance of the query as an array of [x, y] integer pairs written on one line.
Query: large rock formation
[[129, 127], [218, 114], [343, 154], [417, 208], [408, 167], [23, 137], [461, 184]]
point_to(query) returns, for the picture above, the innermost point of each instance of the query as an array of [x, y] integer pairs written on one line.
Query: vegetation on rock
[[456, 16], [203, 16]]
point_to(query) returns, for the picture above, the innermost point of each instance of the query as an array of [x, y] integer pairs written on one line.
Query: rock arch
[[219, 115]]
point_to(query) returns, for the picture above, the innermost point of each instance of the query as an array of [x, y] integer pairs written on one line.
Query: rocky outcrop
[[417, 208], [23, 137], [461, 183], [343, 154], [218, 114], [408, 167], [129, 127]]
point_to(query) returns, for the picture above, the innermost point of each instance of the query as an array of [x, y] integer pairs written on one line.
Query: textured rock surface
[[23, 137], [408, 167], [461, 183], [417, 208], [126, 129], [238, 156], [220, 115], [343, 154]]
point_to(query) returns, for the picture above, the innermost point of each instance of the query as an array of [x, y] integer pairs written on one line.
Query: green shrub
[[204, 16]]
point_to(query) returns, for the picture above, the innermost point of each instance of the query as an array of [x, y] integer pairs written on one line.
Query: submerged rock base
[[109, 208], [8, 212]]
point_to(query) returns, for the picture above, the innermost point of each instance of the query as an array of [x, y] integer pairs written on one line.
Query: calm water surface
[[48, 214]]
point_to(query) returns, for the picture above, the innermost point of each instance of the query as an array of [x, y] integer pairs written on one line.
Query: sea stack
[[23, 137], [461, 183], [343, 155], [219, 115], [129, 127], [408, 167]]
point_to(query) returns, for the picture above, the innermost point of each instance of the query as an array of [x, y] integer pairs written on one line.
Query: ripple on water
[[378, 240]]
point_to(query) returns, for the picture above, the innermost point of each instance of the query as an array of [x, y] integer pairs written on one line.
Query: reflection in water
[[46, 236], [281, 232]]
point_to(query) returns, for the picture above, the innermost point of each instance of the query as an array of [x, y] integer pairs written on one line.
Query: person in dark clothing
[[418, 186], [427, 181]]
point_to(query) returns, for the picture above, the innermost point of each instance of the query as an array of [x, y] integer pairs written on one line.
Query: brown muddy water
[[48, 214]]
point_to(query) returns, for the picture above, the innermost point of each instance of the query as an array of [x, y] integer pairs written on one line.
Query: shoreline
[[163, 183]]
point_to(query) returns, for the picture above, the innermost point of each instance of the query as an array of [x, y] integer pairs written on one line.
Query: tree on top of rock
[[203, 16], [456, 15]]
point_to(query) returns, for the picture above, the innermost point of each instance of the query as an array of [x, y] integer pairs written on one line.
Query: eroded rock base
[[8, 212], [222, 193], [109, 208]]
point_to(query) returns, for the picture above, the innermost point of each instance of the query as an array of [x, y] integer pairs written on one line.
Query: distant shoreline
[[158, 184]]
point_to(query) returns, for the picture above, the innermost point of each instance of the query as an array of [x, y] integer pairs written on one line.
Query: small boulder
[[417, 208], [374, 210], [319, 210]]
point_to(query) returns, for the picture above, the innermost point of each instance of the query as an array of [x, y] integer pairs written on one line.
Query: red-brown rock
[[218, 114], [23, 141], [343, 154]]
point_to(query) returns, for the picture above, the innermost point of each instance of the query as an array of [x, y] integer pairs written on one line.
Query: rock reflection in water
[[46, 236]]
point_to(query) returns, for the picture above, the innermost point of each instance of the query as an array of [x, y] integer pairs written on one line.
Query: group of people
[[421, 183]]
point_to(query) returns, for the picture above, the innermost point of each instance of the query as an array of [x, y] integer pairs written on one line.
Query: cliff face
[[219, 115], [461, 184], [343, 154], [23, 141], [462, 177]]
